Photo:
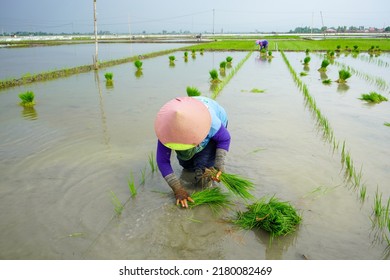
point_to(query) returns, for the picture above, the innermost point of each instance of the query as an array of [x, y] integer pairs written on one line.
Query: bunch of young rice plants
[[138, 64], [373, 97], [276, 217], [185, 54], [306, 60], [118, 206], [229, 59], [324, 64], [193, 91], [343, 76], [171, 58], [27, 99], [238, 185], [108, 76], [327, 82], [303, 74], [213, 197], [222, 65], [214, 76]]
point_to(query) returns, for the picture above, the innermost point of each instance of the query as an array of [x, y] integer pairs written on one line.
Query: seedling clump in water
[[193, 91], [212, 197], [343, 76], [324, 64], [27, 99], [214, 76], [373, 97]]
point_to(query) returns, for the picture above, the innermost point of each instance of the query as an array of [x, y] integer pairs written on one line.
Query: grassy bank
[[295, 44]]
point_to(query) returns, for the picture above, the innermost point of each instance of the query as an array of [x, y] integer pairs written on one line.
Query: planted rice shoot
[[118, 206], [306, 60], [214, 76], [131, 184], [152, 162], [363, 193], [108, 76], [303, 74], [324, 64], [213, 197], [256, 90], [222, 66], [373, 97], [229, 59], [343, 76], [138, 64], [327, 82], [27, 99], [276, 217], [238, 185], [387, 124], [193, 91], [143, 175]]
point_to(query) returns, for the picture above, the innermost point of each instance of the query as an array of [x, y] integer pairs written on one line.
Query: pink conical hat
[[182, 123]]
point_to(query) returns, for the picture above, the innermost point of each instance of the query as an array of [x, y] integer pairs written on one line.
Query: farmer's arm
[[163, 159], [222, 140]]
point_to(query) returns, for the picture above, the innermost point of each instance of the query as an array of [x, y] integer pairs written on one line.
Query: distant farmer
[[195, 128], [263, 44]]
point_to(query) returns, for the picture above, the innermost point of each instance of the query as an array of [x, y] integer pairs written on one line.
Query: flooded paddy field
[[17, 62], [83, 140]]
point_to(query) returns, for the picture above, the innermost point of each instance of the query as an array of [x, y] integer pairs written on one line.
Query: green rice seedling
[[118, 206], [363, 193], [213, 197], [186, 54], [193, 91], [343, 76], [138, 64], [387, 124], [222, 66], [108, 76], [236, 184], [229, 59], [303, 74], [256, 90], [306, 60], [307, 51], [193, 52], [27, 99], [131, 184], [373, 97], [263, 52], [324, 64], [274, 216], [143, 175], [152, 162], [338, 48], [327, 82], [201, 51], [378, 209], [172, 59], [214, 76]]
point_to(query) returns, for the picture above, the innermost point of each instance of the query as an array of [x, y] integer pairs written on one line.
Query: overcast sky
[[154, 16]]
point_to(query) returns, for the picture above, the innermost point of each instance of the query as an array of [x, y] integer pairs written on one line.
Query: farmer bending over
[[263, 44], [195, 128]]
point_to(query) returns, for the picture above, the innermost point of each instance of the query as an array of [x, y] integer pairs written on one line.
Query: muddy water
[[60, 162]]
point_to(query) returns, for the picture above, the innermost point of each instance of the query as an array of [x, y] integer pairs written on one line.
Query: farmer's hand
[[181, 195], [216, 177]]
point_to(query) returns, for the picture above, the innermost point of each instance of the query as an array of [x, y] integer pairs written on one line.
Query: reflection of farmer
[[195, 128], [263, 44]]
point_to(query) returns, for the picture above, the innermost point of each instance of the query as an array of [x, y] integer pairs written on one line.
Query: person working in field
[[195, 128], [263, 44]]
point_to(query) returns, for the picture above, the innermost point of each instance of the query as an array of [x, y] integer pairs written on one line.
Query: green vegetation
[[213, 197], [373, 97], [324, 64], [343, 76], [118, 206], [131, 185], [27, 99], [152, 162], [172, 59], [274, 216], [108, 76], [214, 77], [236, 184], [193, 91], [138, 64], [327, 81], [256, 90], [306, 60], [303, 74]]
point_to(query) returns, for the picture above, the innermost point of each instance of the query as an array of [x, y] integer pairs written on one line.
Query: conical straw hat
[[182, 123]]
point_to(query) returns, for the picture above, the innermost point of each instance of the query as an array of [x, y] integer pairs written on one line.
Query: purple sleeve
[[163, 159], [222, 138]]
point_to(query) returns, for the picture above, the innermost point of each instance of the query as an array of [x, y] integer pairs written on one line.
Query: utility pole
[[322, 20], [95, 60], [213, 20]]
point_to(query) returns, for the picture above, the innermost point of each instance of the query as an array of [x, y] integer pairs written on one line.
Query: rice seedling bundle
[[213, 197], [214, 76], [138, 64], [276, 217], [324, 64], [343, 76], [193, 91], [222, 65], [27, 99], [373, 97], [306, 60], [236, 184], [229, 59], [108, 76]]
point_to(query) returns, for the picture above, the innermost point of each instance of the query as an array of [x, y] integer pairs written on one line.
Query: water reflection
[[323, 75], [29, 113], [342, 87], [276, 246], [138, 74], [101, 106]]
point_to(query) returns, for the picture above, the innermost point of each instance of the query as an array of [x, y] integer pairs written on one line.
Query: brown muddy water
[[60, 161]]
